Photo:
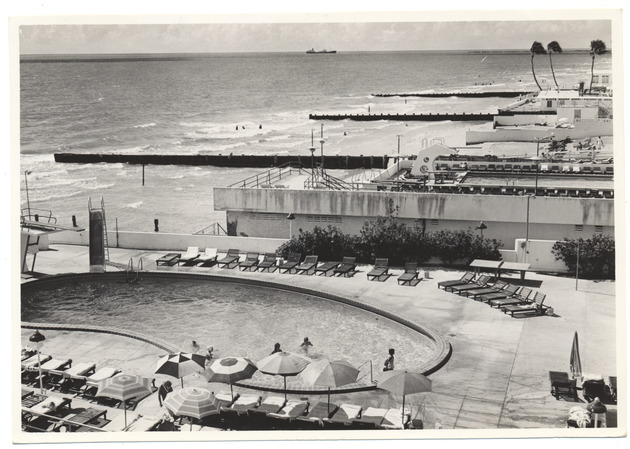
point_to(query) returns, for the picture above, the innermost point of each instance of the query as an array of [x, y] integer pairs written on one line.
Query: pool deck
[[496, 378]]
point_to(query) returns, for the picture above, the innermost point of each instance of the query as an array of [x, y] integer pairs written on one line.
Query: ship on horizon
[[320, 52]]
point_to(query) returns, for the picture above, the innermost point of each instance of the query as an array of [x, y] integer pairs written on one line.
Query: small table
[[169, 259], [487, 265], [515, 266]]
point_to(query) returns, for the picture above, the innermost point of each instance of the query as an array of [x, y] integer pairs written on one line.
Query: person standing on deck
[[389, 363]]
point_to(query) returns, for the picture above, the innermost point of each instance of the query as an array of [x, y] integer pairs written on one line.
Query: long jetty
[[488, 94], [422, 117], [223, 160]]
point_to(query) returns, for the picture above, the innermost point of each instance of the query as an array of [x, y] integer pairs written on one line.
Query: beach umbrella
[[282, 364], [574, 361], [229, 370], [325, 373], [402, 383], [180, 364], [192, 402], [123, 387]]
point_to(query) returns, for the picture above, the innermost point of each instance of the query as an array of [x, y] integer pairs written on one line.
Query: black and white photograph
[[325, 226]]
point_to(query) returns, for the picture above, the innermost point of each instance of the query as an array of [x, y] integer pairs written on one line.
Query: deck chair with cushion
[[309, 264], [191, 255], [467, 278], [293, 409], [292, 261], [537, 307], [57, 365], [231, 258], [410, 274], [394, 419], [496, 287], [208, 257], [507, 292], [347, 266], [271, 404], [481, 282], [250, 263], [326, 268], [59, 378], [90, 385], [41, 417], [316, 415], [561, 384], [244, 403], [380, 269], [269, 262], [520, 298], [371, 418], [345, 415]]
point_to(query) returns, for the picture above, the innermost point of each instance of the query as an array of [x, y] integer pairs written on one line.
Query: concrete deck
[[496, 378]]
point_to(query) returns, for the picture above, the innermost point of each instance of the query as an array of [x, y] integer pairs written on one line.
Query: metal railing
[[213, 229], [269, 177], [319, 179], [40, 215]]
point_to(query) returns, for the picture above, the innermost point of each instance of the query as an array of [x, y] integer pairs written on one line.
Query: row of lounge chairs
[[249, 411], [509, 298]]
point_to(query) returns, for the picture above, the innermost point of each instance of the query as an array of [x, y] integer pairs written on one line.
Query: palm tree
[[553, 47], [537, 49], [597, 48]]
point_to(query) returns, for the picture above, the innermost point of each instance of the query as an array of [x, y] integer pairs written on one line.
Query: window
[[266, 217], [599, 229], [561, 102], [579, 228], [324, 219], [596, 78], [435, 222], [549, 103], [605, 79], [577, 113]]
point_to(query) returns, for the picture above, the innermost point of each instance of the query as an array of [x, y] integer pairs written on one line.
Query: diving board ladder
[[99, 251]]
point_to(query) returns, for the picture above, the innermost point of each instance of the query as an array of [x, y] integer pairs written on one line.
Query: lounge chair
[[229, 259], [371, 418], [33, 362], [191, 255], [30, 400], [393, 419], [560, 383], [507, 292], [91, 382], [52, 365], [519, 298], [224, 399], [347, 265], [536, 307], [345, 415], [293, 409], [292, 261], [271, 404], [410, 274], [208, 257], [243, 404], [481, 282], [310, 262], [41, 417], [326, 268], [317, 413], [496, 287], [380, 269], [467, 278], [250, 263], [135, 423], [269, 261]]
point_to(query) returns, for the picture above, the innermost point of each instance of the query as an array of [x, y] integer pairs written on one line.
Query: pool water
[[236, 319]]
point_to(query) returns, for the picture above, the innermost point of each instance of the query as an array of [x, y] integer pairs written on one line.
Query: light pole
[[38, 339], [537, 160], [312, 150], [481, 227], [290, 217], [321, 142], [28, 202], [527, 227], [398, 163]]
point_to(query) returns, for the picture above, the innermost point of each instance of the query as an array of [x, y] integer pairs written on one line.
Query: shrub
[[387, 237], [450, 246], [597, 255], [327, 243]]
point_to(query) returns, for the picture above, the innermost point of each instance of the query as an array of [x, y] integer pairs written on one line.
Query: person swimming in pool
[[276, 348], [305, 344]]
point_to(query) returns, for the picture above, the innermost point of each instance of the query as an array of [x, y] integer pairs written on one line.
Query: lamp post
[[28, 202], [290, 217], [481, 227], [321, 142], [537, 160], [38, 339], [398, 163], [312, 150], [527, 227]]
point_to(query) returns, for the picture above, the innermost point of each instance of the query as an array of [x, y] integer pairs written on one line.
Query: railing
[[267, 178], [213, 229], [40, 215], [319, 179]]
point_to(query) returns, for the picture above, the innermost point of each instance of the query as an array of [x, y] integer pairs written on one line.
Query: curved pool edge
[[439, 357]]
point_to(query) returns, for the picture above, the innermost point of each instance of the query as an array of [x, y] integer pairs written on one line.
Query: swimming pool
[[235, 318]]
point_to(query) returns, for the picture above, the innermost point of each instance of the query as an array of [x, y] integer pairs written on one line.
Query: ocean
[[254, 103]]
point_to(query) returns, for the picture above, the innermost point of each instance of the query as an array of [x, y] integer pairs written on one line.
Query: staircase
[[101, 210]]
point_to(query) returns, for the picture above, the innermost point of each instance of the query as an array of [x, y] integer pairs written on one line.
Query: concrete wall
[[159, 241], [523, 119], [582, 130]]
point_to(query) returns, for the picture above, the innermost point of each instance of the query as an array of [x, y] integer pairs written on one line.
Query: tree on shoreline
[[537, 49], [553, 47], [597, 48]]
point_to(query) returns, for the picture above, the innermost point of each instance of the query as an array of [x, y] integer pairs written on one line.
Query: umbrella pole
[[232, 391], [125, 409], [329, 400], [403, 411], [182, 379], [285, 387]]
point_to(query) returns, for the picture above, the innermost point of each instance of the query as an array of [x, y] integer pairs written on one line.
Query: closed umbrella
[[402, 383], [283, 364], [192, 402], [180, 364], [325, 373], [575, 362], [229, 370], [123, 387]]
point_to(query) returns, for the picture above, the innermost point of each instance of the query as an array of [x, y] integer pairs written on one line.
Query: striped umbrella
[[192, 402], [229, 370], [124, 387], [283, 364], [325, 373], [180, 364]]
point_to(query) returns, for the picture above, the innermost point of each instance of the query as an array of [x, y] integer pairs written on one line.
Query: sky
[[346, 35]]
